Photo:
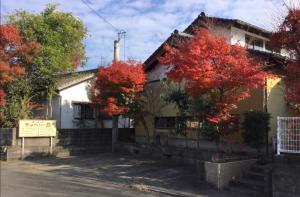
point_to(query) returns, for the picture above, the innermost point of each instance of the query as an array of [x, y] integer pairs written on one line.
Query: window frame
[[83, 111]]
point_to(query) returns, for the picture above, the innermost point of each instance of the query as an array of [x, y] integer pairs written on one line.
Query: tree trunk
[[186, 142], [154, 133], [218, 146], [49, 108], [147, 130], [114, 137], [198, 139]]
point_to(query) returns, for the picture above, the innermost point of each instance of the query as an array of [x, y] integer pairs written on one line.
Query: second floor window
[[254, 43]]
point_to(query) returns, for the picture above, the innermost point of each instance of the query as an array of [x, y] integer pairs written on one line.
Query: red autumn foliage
[[13, 52], [118, 86], [208, 65], [287, 37]]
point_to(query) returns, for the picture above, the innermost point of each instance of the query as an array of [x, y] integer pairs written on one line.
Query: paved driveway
[[103, 175]]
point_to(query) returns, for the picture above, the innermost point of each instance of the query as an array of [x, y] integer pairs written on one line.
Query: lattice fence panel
[[288, 135]]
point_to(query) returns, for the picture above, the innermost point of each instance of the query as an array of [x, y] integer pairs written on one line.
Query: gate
[[288, 135]]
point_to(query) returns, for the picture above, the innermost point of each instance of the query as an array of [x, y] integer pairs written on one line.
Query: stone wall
[[285, 178]]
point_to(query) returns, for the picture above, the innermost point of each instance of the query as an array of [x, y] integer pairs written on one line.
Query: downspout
[[266, 110], [59, 96]]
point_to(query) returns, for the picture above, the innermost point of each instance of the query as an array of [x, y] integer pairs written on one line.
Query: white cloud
[[147, 22]]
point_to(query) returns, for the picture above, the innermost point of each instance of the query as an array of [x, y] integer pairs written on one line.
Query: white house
[[72, 106]]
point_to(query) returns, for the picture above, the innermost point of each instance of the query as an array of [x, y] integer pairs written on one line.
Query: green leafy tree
[[60, 36]]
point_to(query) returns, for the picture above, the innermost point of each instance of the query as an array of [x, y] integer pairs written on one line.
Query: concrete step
[[255, 175], [244, 191], [258, 169], [251, 184]]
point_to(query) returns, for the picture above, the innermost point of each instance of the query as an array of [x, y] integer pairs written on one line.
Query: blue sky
[[147, 22]]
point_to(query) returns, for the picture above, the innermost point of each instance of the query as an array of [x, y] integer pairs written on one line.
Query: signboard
[[37, 128]]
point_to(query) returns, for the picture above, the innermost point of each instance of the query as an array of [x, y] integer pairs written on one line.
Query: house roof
[[201, 21], [72, 78], [173, 40], [204, 21]]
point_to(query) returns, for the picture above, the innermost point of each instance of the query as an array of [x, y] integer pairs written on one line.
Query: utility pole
[[115, 118], [116, 59]]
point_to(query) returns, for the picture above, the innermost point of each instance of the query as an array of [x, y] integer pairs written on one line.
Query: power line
[[100, 16], [0, 12]]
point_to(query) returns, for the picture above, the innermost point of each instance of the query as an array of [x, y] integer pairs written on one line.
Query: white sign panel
[[37, 128]]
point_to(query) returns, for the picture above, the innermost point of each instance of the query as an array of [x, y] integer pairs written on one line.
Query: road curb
[[169, 192]]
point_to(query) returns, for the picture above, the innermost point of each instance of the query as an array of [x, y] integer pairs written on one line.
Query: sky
[[147, 22]]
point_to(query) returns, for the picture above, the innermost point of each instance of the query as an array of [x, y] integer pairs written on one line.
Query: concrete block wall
[[220, 174], [7, 136], [286, 176], [67, 141]]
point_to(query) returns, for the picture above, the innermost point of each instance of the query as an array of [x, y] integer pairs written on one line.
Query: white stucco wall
[[64, 109], [76, 93], [158, 73], [222, 31], [237, 36]]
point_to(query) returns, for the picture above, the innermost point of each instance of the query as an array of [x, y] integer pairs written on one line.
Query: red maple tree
[[287, 37], [118, 86], [209, 66], [13, 53]]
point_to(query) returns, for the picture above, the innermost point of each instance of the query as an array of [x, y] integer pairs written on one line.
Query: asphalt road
[[15, 183], [103, 175]]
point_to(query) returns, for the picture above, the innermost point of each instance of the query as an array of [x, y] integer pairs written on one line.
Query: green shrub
[[209, 131], [256, 126]]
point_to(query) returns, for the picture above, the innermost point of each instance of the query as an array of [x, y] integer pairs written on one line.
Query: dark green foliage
[[200, 106], [180, 98], [256, 126], [182, 101], [209, 131]]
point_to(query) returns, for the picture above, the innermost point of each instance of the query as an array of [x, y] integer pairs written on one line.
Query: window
[[170, 122], [165, 122], [192, 124], [83, 111], [253, 42]]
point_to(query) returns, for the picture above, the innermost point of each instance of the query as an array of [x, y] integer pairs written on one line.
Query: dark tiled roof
[[69, 79], [201, 21], [173, 40], [205, 20]]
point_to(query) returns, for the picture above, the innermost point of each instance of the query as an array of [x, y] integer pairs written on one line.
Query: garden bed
[[219, 174]]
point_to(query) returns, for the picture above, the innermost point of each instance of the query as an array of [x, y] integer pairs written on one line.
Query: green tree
[[60, 36]]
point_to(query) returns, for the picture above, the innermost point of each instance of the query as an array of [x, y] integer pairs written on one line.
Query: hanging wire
[[0, 20], [100, 16], [0, 12]]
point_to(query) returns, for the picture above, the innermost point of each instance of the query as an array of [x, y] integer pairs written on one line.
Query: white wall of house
[[237, 37], [158, 73], [222, 31], [63, 107], [76, 93]]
